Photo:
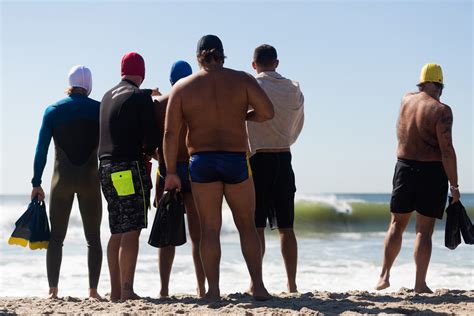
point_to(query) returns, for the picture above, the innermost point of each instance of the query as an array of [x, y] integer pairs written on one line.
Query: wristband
[[454, 188]]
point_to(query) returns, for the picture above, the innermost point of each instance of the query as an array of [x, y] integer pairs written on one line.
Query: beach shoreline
[[404, 301]]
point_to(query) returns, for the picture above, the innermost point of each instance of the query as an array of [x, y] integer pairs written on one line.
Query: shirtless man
[[214, 104], [426, 161], [180, 69]]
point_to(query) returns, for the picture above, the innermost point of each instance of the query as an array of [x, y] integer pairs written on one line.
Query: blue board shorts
[[182, 169], [219, 166]]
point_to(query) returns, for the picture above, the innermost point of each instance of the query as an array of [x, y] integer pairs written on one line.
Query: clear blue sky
[[354, 61]]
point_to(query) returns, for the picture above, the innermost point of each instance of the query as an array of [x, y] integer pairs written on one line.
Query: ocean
[[340, 240]]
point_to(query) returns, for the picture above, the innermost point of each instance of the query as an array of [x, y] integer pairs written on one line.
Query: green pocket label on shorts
[[123, 182]]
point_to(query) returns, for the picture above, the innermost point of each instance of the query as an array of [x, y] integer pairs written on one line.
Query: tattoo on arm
[[447, 124]]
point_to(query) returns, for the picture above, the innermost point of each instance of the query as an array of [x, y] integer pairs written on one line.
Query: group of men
[[218, 133], [198, 134]]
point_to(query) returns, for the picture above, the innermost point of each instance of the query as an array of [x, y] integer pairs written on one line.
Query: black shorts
[[419, 186], [275, 189], [126, 187]]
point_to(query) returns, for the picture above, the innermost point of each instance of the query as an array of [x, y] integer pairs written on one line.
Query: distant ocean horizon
[[340, 240]]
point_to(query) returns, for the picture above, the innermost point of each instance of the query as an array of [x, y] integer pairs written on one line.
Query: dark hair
[[265, 55], [438, 85], [207, 55]]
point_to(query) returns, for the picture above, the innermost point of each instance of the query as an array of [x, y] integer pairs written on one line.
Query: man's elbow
[[448, 152], [267, 115]]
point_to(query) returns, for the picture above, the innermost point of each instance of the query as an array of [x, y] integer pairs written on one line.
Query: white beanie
[[80, 76]]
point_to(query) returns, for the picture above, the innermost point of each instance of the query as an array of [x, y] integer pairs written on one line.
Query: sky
[[353, 59]]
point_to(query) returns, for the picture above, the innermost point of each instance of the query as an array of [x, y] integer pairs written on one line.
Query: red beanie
[[133, 65]]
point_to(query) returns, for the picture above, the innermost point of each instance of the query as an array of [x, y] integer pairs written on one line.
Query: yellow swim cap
[[431, 73]]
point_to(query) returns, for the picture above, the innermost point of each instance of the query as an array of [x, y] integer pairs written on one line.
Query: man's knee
[[286, 232], [210, 231], [93, 239], [57, 238], [195, 236]]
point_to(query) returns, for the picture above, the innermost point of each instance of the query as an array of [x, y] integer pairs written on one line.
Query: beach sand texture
[[442, 302]]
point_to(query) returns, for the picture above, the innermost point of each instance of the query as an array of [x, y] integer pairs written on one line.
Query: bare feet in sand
[[292, 288], [382, 284], [164, 293], [201, 292], [129, 296], [212, 296], [53, 293], [94, 295], [423, 289], [259, 293]]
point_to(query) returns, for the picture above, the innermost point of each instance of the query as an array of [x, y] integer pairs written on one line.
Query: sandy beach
[[442, 302]]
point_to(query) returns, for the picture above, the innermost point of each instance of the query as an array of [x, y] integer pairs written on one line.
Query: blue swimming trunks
[[219, 166], [182, 168]]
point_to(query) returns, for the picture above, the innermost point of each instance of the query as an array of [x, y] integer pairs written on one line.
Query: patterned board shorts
[[126, 187]]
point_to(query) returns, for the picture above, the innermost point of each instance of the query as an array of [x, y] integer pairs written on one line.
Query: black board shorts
[[420, 186], [275, 189], [126, 187]]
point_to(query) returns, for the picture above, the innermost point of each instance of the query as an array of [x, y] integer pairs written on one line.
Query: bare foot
[[423, 289], [53, 293], [292, 288], [129, 296], [201, 292], [382, 284], [212, 296], [164, 293], [261, 294], [115, 297], [94, 295]]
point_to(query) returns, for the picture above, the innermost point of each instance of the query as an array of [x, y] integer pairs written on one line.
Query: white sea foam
[[333, 262]]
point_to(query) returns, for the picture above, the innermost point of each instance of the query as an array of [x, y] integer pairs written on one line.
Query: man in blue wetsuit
[[127, 140], [73, 123], [179, 70]]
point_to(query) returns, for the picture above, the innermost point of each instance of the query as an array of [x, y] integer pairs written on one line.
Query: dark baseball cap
[[208, 42]]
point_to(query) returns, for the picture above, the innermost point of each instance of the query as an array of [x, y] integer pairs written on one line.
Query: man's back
[[127, 122], [416, 129], [161, 104], [215, 104]]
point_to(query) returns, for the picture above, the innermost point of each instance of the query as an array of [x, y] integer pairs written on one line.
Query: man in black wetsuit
[[126, 142], [73, 123]]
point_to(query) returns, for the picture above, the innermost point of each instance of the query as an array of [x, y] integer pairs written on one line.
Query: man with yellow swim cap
[[426, 161]]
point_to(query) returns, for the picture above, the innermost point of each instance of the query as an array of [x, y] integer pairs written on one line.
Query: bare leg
[[165, 262], [114, 267], [424, 231], [195, 234], [208, 199], [128, 260], [241, 200], [393, 244], [261, 237], [289, 251]]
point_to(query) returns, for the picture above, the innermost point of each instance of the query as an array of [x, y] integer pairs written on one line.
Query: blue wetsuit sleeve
[[46, 132]]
